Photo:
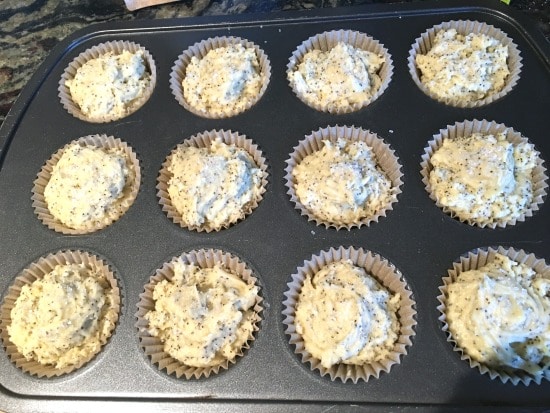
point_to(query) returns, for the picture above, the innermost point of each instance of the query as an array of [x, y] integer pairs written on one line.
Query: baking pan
[[416, 236]]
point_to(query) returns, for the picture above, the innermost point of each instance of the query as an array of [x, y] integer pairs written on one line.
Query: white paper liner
[[326, 41], [204, 140], [467, 128], [385, 158], [200, 50], [118, 209], [94, 52], [388, 276], [37, 270], [153, 346], [474, 260], [423, 44]]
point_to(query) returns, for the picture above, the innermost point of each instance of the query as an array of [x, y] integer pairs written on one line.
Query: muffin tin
[[419, 239]]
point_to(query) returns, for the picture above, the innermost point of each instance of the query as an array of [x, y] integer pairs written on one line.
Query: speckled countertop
[[29, 29]]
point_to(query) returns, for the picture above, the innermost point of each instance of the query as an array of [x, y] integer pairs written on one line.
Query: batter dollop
[[87, 185], [212, 186], [341, 76], [484, 178], [342, 182], [64, 317], [345, 316], [106, 87], [203, 316], [224, 81], [500, 315], [464, 67]]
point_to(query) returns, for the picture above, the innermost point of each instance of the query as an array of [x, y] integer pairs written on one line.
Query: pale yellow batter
[[342, 183], [203, 316], [212, 186], [64, 317], [106, 87], [345, 316], [500, 315], [467, 68], [483, 178], [342, 76], [224, 81]]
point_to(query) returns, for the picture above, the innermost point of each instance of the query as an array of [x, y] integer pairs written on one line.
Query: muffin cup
[[122, 205], [388, 276], [474, 260], [117, 47], [385, 158], [200, 50], [465, 129], [153, 346], [37, 271], [326, 41], [424, 43], [204, 140]]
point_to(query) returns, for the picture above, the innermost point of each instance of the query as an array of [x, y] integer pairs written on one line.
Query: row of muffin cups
[[313, 143], [385, 156], [375, 265], [324, 41]]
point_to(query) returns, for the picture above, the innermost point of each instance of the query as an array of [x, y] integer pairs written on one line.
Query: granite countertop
[[29, 29]]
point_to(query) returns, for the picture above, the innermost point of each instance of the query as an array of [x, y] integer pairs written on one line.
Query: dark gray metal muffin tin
[[417, 237]]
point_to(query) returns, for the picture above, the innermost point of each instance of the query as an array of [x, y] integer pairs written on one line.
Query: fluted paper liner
[[204, 140], [388, 276], [326, 41], [476, 259], [119, 208], [117, 47], [424, 43], [153, 346], [465, 129], [200, 50], [385, 159], [37, 271]]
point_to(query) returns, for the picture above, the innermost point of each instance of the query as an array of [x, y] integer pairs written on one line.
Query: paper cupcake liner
[[326, 41], [388, 276], [474, 260], [37, 270], [200, 50], [153, 346], [423, 44], [204, 140], [467, 128], [94, 52], [385, 158], [118, 209]]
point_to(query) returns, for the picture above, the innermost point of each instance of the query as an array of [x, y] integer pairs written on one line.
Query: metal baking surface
[[417, 237]]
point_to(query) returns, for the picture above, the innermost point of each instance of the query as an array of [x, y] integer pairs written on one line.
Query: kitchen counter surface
[[29, 29]]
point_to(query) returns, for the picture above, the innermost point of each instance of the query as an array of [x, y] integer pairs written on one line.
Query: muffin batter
[[87, 185], [342, 76], [105, 87], [467, 68], [224, 81], [203, 316], [500, 315], [212, 186], [483, 178], [64, 317], [345, 316], [342, 183]]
